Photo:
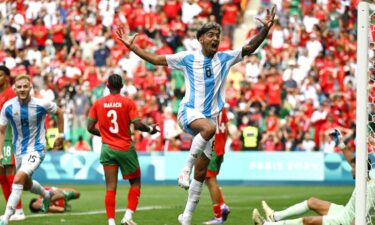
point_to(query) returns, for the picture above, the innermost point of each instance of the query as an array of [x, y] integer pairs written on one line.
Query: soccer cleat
[[225, 212], [184, 221], [127, 222], [3, 222], [47, 201], [269, 212], [17, 216], [257, 218], [184, 179], [215, 221]]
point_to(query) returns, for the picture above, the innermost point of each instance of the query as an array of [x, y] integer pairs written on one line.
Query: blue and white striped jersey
[[204, 78], [27, 123]]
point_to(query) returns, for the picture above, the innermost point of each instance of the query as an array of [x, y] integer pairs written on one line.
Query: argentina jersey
[[27, 123], [205, 78]]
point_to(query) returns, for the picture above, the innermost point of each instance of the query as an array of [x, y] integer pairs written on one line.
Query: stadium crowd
[[286, 97]]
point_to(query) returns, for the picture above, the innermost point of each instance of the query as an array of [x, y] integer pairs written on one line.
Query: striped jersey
[[27, 123], [205, 78]]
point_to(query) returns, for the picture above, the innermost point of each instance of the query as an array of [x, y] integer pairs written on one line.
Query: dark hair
[[115, 82], [32, 209], [5, 70], [206, 27]]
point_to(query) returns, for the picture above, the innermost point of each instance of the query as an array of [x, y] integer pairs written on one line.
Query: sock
[[111, 221], [13, 200], [217, 211], [133, 197], [110, 203], [293, 210], [129, 214], [6, 187], [10, 182], [38, 189], [197, 146], [208, 149], [193, 198], [298, 221]]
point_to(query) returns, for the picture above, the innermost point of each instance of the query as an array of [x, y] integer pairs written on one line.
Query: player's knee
[[312, 202], [306, 221], [77, 194], [209, 131]]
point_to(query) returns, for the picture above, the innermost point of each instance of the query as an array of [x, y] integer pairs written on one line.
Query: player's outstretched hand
[[270, 17], [336, 136], [59, 144], [155, 129], [124, 37]]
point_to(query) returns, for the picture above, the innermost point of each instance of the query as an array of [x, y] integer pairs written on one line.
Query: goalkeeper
[[59, 201], [329, 213]]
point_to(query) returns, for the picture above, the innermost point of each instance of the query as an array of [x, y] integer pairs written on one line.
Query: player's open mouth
[[215, 45]]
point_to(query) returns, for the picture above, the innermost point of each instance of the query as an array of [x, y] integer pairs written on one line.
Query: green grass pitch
[[160, 205]]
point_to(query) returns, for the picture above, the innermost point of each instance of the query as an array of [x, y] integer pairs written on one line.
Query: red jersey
[[221, 133], [114, 113], [7, 94]]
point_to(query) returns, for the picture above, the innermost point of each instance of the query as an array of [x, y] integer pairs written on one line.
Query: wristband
[[61, 135], [341, 145]]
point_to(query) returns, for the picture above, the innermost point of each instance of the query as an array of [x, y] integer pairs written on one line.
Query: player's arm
[[59, 142], [152, 129], [128, 41], [91, 127], [2, 137], [257, 40]]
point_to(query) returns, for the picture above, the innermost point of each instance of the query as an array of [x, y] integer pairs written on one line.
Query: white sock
[[293, 210], [13, 200], [197, 146], [298, 221], [111, 221], [38, 189], [129, 214], [195, 191], [208, 149], [19, 211]]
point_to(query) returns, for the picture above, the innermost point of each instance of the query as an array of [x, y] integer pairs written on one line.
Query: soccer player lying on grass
[[329, 213], [59, 201]]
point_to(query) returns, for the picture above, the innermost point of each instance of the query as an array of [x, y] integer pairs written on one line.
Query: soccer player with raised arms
[[26, 116], [205, 73], [114, 114]]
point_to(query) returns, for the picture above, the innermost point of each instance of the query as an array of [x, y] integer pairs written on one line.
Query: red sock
[[10, 182], [217, 210], [110, 203], [6, 187], [133, 196], [221, 200]]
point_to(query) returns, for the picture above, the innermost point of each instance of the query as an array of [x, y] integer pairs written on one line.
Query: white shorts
[[29, 162], [187, 115], [337, 216]]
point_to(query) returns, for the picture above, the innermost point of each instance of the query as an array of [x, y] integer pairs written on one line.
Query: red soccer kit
[[7, 94], [221, 133], [112, 113]]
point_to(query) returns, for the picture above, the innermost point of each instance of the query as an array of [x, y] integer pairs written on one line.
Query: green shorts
[[214, 165], [126, 160], [8, 154]]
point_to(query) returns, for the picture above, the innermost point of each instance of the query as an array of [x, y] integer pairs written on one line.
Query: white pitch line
[[144, 208]]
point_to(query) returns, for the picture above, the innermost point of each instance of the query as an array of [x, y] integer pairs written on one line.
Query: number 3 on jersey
[[113, 115]]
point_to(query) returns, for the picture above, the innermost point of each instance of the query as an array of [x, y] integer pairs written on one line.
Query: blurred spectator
[[251, 135]]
